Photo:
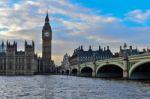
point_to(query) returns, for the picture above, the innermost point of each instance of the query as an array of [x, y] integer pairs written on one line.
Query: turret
[[144, 50], [15, 45], [25, 43], [46, 39], [107, 47], [7, 44], [33, 46], [2, 44], [104, 48], [29, 47], [81, 47], [148, 50], [100, 48], [130, 47], [90, 48], [120, 48], [11, 48], [47, 18], [125, 46]]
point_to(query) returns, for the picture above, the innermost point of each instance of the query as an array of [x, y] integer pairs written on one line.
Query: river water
[[71, 87]]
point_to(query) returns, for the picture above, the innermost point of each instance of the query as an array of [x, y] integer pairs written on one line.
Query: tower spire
[[47, 11], [47, 18]]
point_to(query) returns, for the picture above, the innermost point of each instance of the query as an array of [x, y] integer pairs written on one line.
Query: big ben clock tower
[[46, 44]]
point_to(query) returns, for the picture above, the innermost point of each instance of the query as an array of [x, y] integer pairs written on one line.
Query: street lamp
[[94, 62], [126, 59], [78, 59]]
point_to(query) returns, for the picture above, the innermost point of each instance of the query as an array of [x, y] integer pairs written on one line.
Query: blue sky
[[77, 22], [117, 7]]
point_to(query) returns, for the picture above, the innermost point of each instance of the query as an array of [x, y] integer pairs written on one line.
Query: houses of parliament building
[[14, 62]]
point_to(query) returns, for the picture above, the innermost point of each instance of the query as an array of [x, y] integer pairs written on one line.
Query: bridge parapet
[[140, 56], [87, 64], [99, 63], [137, 58], [111, 59], [128, 66], [114, 61]]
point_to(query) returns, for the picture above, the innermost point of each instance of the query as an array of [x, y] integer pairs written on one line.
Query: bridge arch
[[74, 71], [67, 72], [116, 64], [86, 71], [63, 72], [110, 70], [140, 70]]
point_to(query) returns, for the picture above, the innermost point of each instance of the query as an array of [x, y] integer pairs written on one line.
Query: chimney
[[99, 47], [33, 43], [104, 48], [130, 47], [120, 48], [125, 45], [144, 50], [14, 43], [107, 47], [25, 43], [2, 44], [148, 50], [81, 47], [90, 49], [7, 43]]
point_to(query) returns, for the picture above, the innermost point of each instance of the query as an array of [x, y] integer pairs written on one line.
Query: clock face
[[46, 34]]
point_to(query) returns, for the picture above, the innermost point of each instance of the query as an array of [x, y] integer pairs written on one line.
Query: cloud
[[138, 15], [72, 25]]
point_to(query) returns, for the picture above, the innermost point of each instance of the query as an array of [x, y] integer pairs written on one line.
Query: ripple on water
[[70, 87]]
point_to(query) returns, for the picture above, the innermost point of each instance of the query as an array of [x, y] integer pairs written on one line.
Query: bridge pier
[[125, 74], [93, 74], [125, 71], [78, 73]]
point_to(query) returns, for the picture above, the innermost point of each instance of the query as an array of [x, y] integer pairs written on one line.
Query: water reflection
[[70, 87]]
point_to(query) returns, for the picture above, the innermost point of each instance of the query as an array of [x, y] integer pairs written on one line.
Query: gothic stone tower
[[46, 44], [10, 58]]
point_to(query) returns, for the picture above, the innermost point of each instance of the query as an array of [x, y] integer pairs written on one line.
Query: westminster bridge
[[134, 67]]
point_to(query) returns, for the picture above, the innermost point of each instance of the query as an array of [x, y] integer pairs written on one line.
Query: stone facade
[[47, 64], [81, 56], [2, 63], [13, 62], [129, 51], [65, 63]]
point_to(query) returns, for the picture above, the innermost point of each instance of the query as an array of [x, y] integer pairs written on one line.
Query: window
[[28, 66]]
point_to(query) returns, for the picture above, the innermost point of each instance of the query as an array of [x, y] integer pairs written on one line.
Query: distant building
[[13, 62], [129, 51], [2, 48], [47, 64], [82, 56], [145, 51], [65, 63]]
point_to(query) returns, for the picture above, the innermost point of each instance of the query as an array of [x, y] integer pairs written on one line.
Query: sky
[[75, 23]]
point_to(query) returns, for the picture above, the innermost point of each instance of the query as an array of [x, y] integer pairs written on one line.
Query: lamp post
[[125, 58], [69, 67], [94, 63], [78, 59]]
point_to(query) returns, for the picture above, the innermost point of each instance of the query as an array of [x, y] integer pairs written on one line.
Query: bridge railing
[[139, 56], [105, 60], [111, 59]]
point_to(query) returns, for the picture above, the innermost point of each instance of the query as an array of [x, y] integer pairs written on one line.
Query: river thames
[[71, 87]]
